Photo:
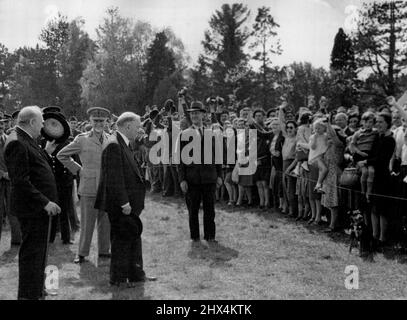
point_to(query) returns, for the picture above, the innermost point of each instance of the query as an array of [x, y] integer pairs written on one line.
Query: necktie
[[101, 139]]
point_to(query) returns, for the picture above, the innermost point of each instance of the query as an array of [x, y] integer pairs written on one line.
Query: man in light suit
[[89, 147], [121, 193]]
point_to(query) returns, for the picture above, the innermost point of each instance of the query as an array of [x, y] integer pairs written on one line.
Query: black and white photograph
[[204, 151]]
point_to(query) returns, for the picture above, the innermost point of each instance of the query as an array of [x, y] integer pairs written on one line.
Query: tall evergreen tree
[[265, 44], [160, 64], [342, 56], [343, 71], [224, 44]]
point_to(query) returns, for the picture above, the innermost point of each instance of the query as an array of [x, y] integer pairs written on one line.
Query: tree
[[72, 57], [33, 78], [114, 77], [168, 88], [200, 78], [342, 56], [343, 71], [265, 44], [380, 42], [302, 80], [160, 64], [6, 71], [54, 35], [224, 44]]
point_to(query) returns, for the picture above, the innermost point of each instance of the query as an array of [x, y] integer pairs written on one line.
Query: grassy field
[[261, 255]]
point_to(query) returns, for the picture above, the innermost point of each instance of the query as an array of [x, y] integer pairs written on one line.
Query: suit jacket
[[121, 182], [3, 168], [196, 173], [89, 149], [32, 180]]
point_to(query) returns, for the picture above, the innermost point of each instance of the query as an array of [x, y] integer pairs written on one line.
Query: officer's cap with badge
[[98, 113]]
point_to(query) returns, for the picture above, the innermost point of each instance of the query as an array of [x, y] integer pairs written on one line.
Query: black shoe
[[105, 255], [79, 259], [67, 242], [212, 241], [116, 283]]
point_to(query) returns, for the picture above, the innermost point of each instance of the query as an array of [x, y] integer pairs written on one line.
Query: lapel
[[129, 155]]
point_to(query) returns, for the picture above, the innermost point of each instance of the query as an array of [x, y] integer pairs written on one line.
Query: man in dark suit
[[199, 179], [34, 194], [121, 194]]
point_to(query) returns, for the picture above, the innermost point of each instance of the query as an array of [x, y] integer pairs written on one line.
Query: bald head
[[127, 117], [30, 119], [28, 113], [129, 124]]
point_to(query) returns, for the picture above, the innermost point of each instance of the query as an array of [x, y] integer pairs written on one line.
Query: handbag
[[349, 177]]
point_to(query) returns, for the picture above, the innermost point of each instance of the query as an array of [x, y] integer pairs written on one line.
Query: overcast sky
[[307, 31]]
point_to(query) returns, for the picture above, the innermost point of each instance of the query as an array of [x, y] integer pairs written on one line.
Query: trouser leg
[[168, 190], [88, 219], [31, 260], [66, 201], [103, 233], [193, 200], [208, 197]]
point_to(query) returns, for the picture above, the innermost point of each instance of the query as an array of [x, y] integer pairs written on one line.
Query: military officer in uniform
[[89, 147]]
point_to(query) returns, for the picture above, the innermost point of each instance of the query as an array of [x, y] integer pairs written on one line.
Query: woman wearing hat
[[56, 133]]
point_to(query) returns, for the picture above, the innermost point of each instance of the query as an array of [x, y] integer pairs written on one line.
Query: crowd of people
[[316, 164]]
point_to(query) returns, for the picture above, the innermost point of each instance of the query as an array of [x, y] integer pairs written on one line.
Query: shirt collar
[[126, 140], [25, 132]]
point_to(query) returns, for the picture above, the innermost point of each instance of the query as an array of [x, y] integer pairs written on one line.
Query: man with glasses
[[89, 147]]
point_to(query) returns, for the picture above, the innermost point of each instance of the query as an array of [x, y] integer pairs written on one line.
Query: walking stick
[[52, 293]]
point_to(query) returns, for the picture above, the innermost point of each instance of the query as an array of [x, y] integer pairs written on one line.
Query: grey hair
[[26, 114], [341, 115], [126, 117]]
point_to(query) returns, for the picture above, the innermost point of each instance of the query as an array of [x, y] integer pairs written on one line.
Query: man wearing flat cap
[[198, 181], [89, 147]]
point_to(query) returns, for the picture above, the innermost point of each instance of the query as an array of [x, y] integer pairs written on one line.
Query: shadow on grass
[[219, 254], [98, 279]]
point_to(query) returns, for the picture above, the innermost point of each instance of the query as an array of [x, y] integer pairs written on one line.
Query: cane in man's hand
[[52, 210]]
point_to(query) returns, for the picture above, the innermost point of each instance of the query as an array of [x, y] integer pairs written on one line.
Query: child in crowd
[[361, 147], [318, 146], [302, 148]]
